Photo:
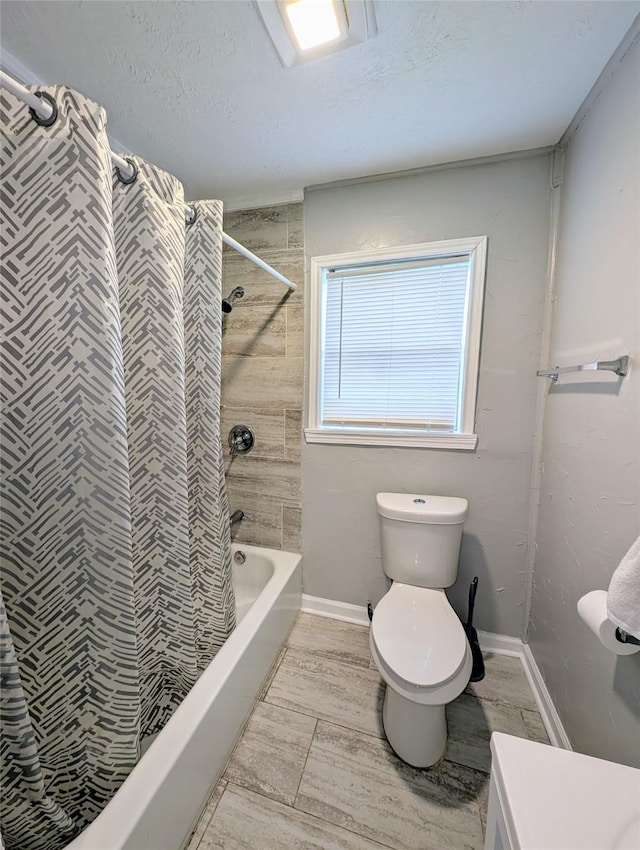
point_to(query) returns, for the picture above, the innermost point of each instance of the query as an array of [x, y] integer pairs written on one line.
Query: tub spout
[[236, 516]]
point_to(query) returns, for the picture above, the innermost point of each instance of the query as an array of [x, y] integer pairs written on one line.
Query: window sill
[[353, 437]]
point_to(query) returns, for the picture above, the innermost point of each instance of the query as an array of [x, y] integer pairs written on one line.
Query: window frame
[[466, 439]]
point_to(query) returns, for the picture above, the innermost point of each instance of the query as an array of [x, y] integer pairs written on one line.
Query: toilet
[[418, 643]]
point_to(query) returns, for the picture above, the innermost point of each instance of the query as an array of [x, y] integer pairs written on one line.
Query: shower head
[[227, 303]]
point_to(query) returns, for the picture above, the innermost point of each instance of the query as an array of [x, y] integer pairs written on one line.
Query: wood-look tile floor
[[313, 770]]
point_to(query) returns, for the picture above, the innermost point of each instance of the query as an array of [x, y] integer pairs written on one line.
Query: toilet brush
[[477, 670]]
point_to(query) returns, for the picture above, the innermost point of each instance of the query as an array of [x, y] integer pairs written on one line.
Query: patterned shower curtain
[[115, 536]]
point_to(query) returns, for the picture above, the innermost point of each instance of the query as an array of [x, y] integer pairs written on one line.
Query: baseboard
[[335, 610], [549, 713], [500, 644], [489, 642], [505, 645]]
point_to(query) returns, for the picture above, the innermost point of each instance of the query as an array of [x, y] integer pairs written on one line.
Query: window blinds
[[393, 344]]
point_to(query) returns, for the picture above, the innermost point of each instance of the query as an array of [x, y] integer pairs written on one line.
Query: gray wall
[[509, 202], [589, 511]]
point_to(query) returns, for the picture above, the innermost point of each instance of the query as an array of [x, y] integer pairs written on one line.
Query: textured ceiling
[[197, 88]]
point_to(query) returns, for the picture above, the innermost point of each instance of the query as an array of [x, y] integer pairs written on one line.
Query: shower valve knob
[[241, 439]]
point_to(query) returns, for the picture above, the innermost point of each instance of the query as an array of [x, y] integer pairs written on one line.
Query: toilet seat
[[419, 645]]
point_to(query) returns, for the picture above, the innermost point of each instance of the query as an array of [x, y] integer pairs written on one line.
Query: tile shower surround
[[312, 769], [262, 377]]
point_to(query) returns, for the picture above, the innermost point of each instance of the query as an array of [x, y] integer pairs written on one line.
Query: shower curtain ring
[[41, 120], [134, 175]]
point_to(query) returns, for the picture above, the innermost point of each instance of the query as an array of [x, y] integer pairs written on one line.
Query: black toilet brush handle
[[473, 589]]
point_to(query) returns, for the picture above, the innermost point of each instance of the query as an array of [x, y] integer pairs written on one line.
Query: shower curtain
[[115, 535]]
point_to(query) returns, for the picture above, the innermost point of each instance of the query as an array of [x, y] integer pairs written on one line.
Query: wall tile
[[291, 526], [262, 374], [272, 478], [268, 427], [265, 227], [295, 330], [262, 523], [260, 287], [292, 434], [295, 226], [262, 381], [255, 330]]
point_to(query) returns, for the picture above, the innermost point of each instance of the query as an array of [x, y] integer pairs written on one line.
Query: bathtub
[[160, 802]]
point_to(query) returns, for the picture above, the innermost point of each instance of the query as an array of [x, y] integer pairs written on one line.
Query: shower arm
[[228, 302]]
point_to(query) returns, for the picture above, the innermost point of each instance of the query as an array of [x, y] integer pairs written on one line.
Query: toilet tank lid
[[415, 507]]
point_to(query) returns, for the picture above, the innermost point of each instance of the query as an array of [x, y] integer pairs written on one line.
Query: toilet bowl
[[422, 653], [417, 641]]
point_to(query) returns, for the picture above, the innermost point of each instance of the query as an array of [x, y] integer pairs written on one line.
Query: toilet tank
[[421, 537]]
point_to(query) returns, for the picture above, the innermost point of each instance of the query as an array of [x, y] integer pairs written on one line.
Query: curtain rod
[[46, 113]]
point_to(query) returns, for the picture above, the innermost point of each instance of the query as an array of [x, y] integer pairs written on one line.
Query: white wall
[[589, 512], [509, 202]]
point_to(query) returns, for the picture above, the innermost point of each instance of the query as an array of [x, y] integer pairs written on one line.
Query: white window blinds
[[393, 344]]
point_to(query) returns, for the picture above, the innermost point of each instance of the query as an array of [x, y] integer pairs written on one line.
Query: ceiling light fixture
[[314, 22], [302, 30]]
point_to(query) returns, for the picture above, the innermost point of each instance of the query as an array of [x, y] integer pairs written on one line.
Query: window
[[395, 345]]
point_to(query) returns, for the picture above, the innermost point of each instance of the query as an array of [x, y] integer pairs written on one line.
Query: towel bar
[[619, 366]]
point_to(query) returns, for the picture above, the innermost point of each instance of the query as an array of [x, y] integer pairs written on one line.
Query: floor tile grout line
[[347, 624], [304, 713], [333, 660], [363, 628], [450, 760], [374, 841], [281, 745], [381, 737], [311, 815], [322, 657], [324, 720], [287, 708], [264, 690], [209, 819], [359, 834], [384, 770], [374, 769], [344, 624], [195, 846], [476, 804], [498, 701], [347, 666], [352, 729], [304, 767]]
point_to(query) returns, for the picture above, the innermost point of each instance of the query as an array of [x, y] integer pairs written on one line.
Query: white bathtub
[[160, 802]]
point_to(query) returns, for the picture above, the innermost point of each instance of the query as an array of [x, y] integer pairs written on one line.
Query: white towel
[[623, 598]]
